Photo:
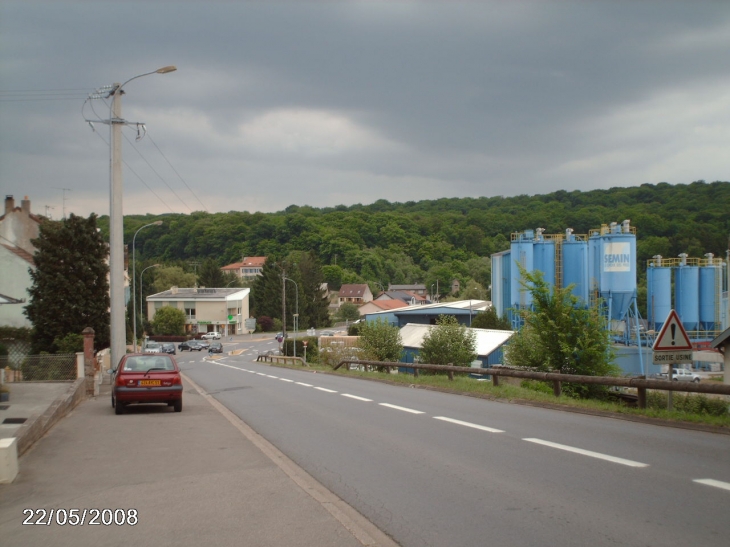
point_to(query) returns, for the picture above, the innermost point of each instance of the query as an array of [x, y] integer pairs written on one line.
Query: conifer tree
[[70, 289]]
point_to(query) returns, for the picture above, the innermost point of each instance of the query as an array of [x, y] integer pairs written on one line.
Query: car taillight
[[120, 381], [176, 381]]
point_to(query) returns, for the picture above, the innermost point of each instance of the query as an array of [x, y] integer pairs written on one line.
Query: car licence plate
[[149, 383]]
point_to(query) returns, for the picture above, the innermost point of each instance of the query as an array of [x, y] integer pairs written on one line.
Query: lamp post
[[116, 219], [134, 284], [296, 315], [141, 302]]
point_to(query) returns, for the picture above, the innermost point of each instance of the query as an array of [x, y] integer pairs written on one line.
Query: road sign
[[672, 337], [672, 357]]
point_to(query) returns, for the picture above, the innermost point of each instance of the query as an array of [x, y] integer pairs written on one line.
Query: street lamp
[[141, 302], [116, 218], [134, 284], [296, 315]]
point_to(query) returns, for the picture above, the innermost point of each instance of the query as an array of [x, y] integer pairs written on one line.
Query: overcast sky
[[329, 103]]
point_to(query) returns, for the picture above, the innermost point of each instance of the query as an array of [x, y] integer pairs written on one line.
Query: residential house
[[416, 288], [355, 293], [407, 297], [18, 226], [206, 310], [381, 305], [248, 268]]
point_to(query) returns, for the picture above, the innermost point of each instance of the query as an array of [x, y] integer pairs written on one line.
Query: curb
[[37, 426]]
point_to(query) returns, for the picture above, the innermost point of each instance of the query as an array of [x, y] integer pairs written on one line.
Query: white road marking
[[270, 376], [468, 424], [286, 380], [261, 374], [303, 384], [598, 455], [356, 397], [404, 409], [713, 482], [325, 389]]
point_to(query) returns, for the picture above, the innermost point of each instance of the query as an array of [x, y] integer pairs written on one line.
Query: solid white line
[[598, 455], [303, 384], [713, 482], [468, 424], [286, 380], [356, 397], [325, 389], [404, 409]]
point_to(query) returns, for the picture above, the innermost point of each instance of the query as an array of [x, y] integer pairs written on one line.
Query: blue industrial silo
[[522, 254], [659, 293], [501, 282], [575, 265], [686, 294], [617, 271], [710, 294], [543, 252]]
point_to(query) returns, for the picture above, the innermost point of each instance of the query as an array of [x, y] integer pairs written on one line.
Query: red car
[[146, 378]]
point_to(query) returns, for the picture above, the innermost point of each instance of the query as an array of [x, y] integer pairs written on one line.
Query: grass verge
[[517, 394]]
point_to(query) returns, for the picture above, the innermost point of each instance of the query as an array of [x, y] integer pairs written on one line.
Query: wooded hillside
[[425, 241]]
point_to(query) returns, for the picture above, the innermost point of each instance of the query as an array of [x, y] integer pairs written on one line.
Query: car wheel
[[119, 408], [178, 405], [112, 401], [696, 380], [675, 379]]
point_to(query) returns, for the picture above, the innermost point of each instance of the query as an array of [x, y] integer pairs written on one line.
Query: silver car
[[152, 347]]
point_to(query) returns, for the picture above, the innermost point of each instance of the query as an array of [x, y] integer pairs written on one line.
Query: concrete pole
[[89, 361], [116, 233]]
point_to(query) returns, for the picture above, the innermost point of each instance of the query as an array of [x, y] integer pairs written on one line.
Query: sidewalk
[[195, 478]]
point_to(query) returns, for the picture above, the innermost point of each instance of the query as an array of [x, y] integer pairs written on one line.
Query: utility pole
[[64, 190], [283, 304]]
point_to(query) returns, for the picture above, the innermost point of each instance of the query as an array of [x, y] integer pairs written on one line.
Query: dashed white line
[[303, 384], [325, 389], [589, 453], [286, 380], [270, 376], [261, 374], [404, 409], [356, 397], [713, 482], [468, 424]]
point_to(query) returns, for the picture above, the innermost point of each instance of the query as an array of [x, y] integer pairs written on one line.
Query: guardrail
[[640, 383], [281, 359]]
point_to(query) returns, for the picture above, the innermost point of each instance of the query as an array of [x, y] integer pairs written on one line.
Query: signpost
[[672, 347]]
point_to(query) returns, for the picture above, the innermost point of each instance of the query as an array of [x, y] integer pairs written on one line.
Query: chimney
[[173, 289], [9, 204], [25, 205]]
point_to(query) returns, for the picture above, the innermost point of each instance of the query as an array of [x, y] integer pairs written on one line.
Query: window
[[190, 310]]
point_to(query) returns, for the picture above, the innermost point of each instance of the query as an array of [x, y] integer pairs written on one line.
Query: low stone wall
[[36, 426]]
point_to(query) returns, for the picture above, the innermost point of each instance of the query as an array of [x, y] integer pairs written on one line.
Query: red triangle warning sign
[[672, 336]]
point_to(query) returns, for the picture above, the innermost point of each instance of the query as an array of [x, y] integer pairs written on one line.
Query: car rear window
[[144, 363]]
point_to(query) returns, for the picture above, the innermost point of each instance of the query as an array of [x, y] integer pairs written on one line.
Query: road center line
[[325, 389], [303, 384], [598, 455], [286, 380], [270, 376], [261, 374], [356, 397], [468, 424], [404, 409], [713, 482]]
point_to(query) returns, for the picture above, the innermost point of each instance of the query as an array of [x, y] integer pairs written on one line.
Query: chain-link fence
[[21, 367]]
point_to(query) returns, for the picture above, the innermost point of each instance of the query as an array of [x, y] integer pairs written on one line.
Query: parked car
[[679, 375], [146, 378], [169, 348], [215, 347], [152, 347], [190, 345], [211, 336], [203, 344], [327, 333]]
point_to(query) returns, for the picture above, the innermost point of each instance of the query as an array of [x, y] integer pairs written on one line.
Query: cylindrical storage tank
[[501, 281], [659, 296], [594, 263], [618, 270], [575, 267], [521, 253], [544, 259], [687, 296], [709, 297]]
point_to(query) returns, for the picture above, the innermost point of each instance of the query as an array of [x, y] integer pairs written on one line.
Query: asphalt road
[[437, 469]]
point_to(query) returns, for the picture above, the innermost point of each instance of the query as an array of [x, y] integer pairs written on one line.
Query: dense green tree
[[449, 342], [314, 304], [70, 290], [266, 291], [560, 334], [210, 274], [380, 341], [169, 321], [488, 319], [173, 276], [347, 312]]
